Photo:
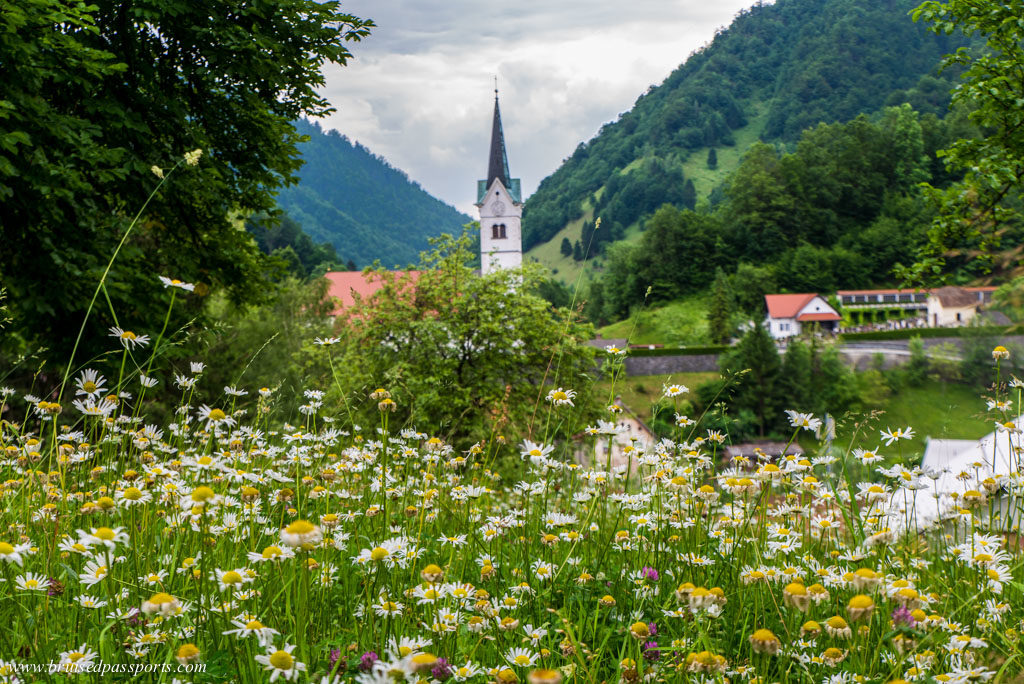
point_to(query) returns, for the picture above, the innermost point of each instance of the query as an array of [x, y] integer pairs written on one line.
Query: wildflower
[[168, 282], [301, 533], [281, 663], [765, 641], [810, 629], [32, 582], [639, 631], [187, 653], [157, 171], [423, 662], [561, 397], [13, 554], [214, 416], [161, 603], [1000, 352], [606, 601], [192, 159], [865, 577], [838, 627], [544, 676], [795, 595], [432, 573], [521, 657], [803, 420], [894, 435], [243, 629], [860, 607], [612, 350], [129, 339], [672, 391], [90, 383], [104, 536], [77, 661], [326, 341]]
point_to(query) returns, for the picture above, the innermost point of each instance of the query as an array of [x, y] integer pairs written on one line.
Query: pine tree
[[797, 370], [689, 195], [721, 308], [566, 247], [712, 159], [577, 251], [758, 390]]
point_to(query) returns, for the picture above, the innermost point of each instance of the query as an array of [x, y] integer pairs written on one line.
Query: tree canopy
[[979, 219], [100, 99]]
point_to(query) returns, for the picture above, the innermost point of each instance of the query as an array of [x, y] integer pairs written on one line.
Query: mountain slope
[[783, 67], [359, 203]]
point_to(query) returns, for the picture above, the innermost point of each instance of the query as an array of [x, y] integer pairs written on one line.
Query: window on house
[[498, 231]]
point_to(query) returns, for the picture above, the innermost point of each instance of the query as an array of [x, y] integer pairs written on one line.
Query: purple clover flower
[[442, 670], [367, 660], [650, 573], [903, 616], [651, 652]]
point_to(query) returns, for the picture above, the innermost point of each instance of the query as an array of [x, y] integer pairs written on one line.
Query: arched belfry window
[[498, 231]]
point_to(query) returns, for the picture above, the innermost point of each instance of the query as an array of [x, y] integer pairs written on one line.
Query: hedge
[[907, 333]]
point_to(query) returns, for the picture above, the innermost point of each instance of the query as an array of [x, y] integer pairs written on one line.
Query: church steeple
[[500, 203], [497, 163]]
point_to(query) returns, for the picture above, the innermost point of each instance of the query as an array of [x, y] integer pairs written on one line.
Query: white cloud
[[419, 90]]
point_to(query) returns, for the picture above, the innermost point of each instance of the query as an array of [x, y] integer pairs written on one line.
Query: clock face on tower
[[498, 207]]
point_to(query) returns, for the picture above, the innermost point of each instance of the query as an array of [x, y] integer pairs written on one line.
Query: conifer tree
[[758, 390], [566, 247], [721, 308], [712, 159]]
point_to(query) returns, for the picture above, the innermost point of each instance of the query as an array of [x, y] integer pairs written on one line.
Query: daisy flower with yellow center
[[280, 663]]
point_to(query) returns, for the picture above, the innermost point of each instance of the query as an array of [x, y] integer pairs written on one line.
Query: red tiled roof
[[787, 305], [345, 284], [819, 317]]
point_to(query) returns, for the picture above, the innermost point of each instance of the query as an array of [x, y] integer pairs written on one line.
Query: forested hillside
[[839, 211], [781, 68], [362, 205]]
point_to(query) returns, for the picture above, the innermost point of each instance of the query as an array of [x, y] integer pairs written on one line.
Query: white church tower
[[501, 207]]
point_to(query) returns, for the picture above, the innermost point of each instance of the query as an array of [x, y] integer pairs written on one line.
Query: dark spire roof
[[497, 163]]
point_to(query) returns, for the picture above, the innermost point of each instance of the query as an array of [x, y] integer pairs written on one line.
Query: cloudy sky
[[420, 89]]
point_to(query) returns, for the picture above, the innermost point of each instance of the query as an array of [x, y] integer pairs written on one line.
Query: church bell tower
[[501, 207]]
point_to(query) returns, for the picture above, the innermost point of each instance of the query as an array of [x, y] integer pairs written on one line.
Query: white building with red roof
[[789, 313]]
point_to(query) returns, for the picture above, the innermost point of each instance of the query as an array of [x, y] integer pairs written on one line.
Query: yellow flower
[[860, 607], [765, 641]]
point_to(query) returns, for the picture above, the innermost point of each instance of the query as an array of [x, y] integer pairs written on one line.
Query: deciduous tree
[[95, 96]]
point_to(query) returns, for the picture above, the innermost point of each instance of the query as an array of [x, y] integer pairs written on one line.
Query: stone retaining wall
[[703, 363], [663, 365]]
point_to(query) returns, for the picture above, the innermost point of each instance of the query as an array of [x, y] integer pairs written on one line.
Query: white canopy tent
[[959, 465]]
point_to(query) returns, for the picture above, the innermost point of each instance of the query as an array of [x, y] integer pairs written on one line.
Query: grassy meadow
[[228, 545]]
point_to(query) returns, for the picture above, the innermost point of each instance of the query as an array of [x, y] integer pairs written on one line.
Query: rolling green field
[[680, 323]]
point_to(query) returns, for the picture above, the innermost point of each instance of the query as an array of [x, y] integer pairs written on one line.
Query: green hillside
[[778, 70], [356, 201]]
